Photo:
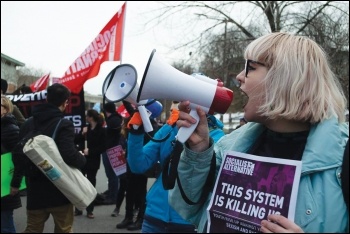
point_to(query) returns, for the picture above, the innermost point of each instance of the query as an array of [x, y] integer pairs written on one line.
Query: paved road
[[102, 223]]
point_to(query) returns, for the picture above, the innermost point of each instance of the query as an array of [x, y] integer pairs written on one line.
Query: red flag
[[107, 46], [40, 84]]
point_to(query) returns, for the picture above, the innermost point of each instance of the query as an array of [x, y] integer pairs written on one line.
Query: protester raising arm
[[140, 157], [159, 216]]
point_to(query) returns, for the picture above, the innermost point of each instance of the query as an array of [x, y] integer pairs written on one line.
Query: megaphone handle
[[184, 133], [145, 118]]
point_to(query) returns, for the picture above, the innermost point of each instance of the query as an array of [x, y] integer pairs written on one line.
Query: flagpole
[[122, 47], [50, 80]]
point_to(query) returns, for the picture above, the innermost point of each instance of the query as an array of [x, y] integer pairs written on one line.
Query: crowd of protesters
[[295, 111]]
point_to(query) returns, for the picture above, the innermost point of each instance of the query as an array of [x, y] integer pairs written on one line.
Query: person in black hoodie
[[9, 138], [43, 197], [114, 123]]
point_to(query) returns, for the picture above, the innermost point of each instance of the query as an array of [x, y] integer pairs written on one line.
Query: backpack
[[20, 159], [44, 154]]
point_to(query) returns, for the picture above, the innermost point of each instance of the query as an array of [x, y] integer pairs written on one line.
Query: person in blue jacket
[[295, 110], [159, 216]]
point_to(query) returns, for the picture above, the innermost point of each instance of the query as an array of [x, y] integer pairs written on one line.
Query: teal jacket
[[320, 205]]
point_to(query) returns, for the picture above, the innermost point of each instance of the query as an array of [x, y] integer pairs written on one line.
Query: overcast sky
[[50, 35]]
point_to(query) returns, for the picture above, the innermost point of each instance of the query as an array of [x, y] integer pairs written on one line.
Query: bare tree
[[217, 32], [28, 75], [207, 17]]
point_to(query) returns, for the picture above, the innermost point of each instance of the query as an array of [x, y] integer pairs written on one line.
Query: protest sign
[[7, 174], [116, 156], [249, 188]]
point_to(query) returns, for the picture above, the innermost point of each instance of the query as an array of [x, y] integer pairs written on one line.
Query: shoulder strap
[[170, 167], [170, 175], [208, 186], [345, 175], [54, 132]]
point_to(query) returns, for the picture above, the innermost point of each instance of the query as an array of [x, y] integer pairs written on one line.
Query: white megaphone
[[121, 84], [162, 81]]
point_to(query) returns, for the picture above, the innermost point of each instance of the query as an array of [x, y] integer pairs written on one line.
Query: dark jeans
[[135, 194], [91, 176], [7, 224], [123, 180], [113, 180]]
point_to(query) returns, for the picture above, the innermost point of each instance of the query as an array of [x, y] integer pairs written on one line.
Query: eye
[[250, 67]]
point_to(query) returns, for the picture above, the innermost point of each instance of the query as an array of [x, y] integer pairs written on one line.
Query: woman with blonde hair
[[9, 138], [295, 110]]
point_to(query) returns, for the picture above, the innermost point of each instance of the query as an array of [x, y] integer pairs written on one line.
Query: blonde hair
[[299, 84], [7, 104]]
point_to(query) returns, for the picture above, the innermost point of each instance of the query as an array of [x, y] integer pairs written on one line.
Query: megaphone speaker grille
[[119, 83]]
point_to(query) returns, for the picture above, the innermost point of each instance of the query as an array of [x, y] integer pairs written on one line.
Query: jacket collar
[[324, 147]]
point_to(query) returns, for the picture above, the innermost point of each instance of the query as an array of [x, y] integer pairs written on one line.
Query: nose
[[240, 77]]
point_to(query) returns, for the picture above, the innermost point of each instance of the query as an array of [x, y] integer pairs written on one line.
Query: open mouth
[[245, 98]]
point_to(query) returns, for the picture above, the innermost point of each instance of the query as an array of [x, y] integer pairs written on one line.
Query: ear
[[63, 106]]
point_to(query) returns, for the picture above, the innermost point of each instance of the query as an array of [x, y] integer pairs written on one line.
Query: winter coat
[[320, 206], [9, 133], [95, 143], [41, 192], [18, 115], [114, 123], [9, 138]]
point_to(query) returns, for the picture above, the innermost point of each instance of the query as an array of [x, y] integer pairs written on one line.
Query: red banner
[[40, 84], [107, 46]]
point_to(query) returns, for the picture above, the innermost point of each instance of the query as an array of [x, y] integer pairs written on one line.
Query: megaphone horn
[[162, 81]]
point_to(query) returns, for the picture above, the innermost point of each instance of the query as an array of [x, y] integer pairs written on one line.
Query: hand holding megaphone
[[195, 120]]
